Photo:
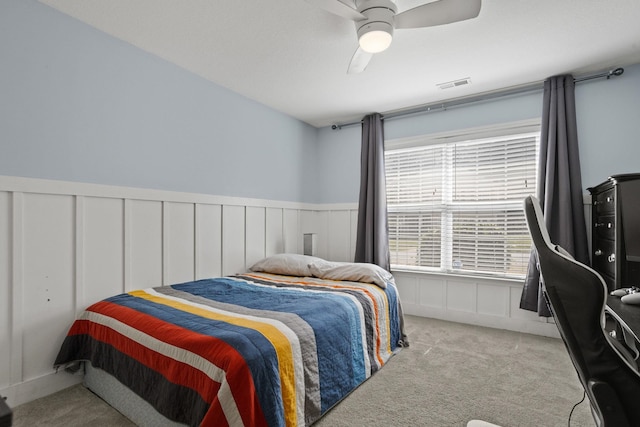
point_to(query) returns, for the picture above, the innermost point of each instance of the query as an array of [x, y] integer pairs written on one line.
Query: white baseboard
[[39, 387], [510, 324]]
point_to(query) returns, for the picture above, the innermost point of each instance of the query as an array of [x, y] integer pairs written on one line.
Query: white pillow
[[351, 271], [286, 264]]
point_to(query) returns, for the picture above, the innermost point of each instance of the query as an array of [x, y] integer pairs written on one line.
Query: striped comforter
[[252, 350]]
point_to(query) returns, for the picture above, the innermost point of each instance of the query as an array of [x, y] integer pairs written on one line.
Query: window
[[455, 200]]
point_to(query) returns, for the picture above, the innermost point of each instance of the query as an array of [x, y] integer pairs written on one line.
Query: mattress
[[127, 402], [253, 349]]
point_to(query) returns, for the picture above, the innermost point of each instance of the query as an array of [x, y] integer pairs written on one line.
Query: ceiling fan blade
[[438, 13], [339, 8], [359, 61]]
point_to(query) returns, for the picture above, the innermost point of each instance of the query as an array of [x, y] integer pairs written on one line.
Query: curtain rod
[[439, 106]]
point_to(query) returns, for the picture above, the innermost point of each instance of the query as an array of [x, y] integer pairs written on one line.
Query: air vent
[[454, 83]]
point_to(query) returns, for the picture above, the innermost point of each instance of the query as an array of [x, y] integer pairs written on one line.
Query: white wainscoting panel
[[48, 279], [143, 244], [65, 245], [493, 300], [432, 292], [102, 248], [274, 235], [339, 236], [461, 296], [233, 239], [5, 288], [479, 301], [255, 235], [179, 257], [208, 241], [16, 258], [291, 231]]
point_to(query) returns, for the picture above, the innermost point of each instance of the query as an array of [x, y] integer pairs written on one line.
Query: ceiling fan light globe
[[375, 41], [375, 37]]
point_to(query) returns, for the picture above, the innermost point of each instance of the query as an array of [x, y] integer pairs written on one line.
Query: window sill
[[475, 277]]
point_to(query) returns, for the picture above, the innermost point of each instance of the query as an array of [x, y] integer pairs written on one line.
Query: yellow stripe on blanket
[[279, 341]]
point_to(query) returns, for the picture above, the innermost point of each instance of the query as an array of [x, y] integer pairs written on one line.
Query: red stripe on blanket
[[210, 348]]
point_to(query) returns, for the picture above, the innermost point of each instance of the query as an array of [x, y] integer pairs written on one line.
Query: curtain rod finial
[[616, 72]]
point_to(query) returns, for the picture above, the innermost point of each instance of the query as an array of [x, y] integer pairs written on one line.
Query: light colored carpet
[[451, 374]]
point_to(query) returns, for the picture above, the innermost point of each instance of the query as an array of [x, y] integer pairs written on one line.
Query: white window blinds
[[457, 206]]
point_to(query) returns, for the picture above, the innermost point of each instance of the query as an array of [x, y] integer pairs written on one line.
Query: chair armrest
[[622, 339]]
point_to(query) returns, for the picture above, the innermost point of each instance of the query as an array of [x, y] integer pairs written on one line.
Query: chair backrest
[[576, 296]]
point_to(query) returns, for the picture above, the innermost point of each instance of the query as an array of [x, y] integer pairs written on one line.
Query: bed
[[277, 346]]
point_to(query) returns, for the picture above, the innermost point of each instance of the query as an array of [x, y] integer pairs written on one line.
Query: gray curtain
[[372, 238], [559, 184]]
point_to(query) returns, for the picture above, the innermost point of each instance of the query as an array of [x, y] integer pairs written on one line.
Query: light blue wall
[[608, 114], [79, 105]]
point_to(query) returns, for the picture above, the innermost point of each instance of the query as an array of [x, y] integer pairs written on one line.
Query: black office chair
[[576, 296]]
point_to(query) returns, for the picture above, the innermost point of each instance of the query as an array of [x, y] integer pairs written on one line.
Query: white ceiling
[[293, 57]]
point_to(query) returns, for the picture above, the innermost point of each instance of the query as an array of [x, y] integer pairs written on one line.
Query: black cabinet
[[5, 414], [615, 232]]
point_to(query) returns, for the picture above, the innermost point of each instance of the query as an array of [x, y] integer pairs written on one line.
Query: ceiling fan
[[375, 21]]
